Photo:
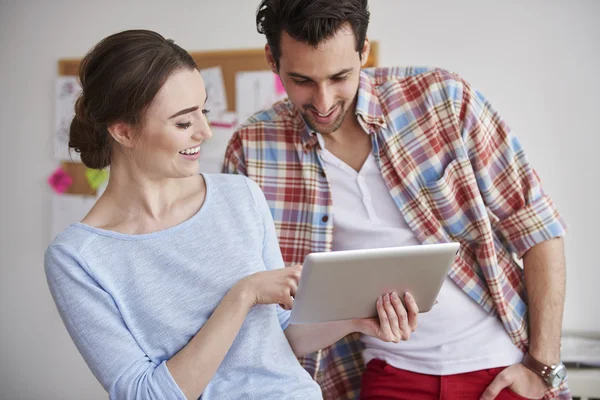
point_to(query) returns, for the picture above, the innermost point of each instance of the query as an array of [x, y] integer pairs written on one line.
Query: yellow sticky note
[[96, 177]]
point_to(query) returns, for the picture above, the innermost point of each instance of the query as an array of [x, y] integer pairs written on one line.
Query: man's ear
[[270, 59], [364, 54], [123, 133]]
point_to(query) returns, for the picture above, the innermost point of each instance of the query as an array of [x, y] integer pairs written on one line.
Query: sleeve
[[271, 251], [100, 334], [521, 213], [234, 162]]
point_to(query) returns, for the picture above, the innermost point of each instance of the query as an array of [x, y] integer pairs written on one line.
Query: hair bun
[[88, 138]]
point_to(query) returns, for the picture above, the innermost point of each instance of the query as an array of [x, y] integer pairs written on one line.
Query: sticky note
[[96, 177], [279, 89], [60, 180]]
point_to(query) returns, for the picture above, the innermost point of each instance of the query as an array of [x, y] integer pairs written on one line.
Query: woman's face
[[174, 127]]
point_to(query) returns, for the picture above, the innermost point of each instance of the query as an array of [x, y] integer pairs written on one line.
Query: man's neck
[[350, 143]]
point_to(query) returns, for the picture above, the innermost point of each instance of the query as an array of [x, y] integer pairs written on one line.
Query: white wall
[[536, 61]]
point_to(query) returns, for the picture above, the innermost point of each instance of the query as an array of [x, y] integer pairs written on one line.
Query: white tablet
[[346, 284]]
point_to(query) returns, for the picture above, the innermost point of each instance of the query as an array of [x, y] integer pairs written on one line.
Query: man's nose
[[323, 100]]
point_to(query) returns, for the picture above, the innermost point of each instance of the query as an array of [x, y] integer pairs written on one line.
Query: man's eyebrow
[[308, 78], [342, 72], [297, 75]]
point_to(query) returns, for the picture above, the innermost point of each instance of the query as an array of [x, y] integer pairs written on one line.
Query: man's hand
[[395, 322], [520, 380]]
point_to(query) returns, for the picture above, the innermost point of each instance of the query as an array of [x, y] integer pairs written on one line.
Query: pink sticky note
[[60, 181], [279, 89]]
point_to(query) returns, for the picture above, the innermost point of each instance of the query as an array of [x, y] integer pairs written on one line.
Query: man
[[394, 157]]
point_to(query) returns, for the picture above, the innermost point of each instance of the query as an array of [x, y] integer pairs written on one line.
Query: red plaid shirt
[[454, 169]]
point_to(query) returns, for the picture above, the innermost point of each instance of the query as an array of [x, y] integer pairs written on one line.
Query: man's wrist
[[533, 375], [545, 356], [356, 325], [553, 374]]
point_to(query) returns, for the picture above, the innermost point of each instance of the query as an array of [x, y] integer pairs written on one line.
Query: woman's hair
[[120, 77], [310, 21]]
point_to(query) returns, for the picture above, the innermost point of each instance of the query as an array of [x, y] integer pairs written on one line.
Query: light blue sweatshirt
[[131, 302]]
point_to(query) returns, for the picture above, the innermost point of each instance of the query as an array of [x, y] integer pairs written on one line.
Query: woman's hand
[[273, 287], [395, 323]]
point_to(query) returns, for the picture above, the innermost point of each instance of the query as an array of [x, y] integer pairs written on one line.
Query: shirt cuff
[[537, 222], [165, 381]]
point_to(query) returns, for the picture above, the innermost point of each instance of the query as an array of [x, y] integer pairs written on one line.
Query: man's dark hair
[[310, 21]]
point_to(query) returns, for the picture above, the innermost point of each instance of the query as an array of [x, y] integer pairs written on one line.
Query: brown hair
[[310, 21], [120, 77]]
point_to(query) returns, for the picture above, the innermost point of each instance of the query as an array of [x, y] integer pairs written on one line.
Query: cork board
[[80, 185], [230, 61]]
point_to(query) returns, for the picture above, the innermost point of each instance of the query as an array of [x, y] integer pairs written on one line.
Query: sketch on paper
[[256, 91], [67, 90], [215, 89]]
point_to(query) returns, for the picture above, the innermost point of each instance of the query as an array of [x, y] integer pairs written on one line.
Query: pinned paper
[[67, 89], [279, 89], [60, 181], [224, 120], [96, 177], [212, 151], [255, 91], [215, 89]]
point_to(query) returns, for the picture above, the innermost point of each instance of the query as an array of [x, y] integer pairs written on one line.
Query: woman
[[170, 285]]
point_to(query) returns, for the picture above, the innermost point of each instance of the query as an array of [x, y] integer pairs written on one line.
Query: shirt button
[[325, 218], [323, 174]]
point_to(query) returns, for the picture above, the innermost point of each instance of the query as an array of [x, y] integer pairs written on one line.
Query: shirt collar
[[368, 110], [368, 107]]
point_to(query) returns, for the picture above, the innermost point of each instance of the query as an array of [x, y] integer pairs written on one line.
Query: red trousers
[[383, 382]]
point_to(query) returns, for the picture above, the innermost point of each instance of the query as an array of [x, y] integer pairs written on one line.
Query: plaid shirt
[[453, 168]]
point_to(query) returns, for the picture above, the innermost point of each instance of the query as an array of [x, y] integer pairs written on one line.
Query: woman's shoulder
[[75, 236], [226, 179], [75, 241], [230, 183], [68, 248], [239, 190]]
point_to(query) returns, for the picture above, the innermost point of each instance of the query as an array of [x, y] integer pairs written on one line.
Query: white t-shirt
[[457, 335]]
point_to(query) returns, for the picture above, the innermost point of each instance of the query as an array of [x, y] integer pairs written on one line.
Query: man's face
[[322, 82]]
